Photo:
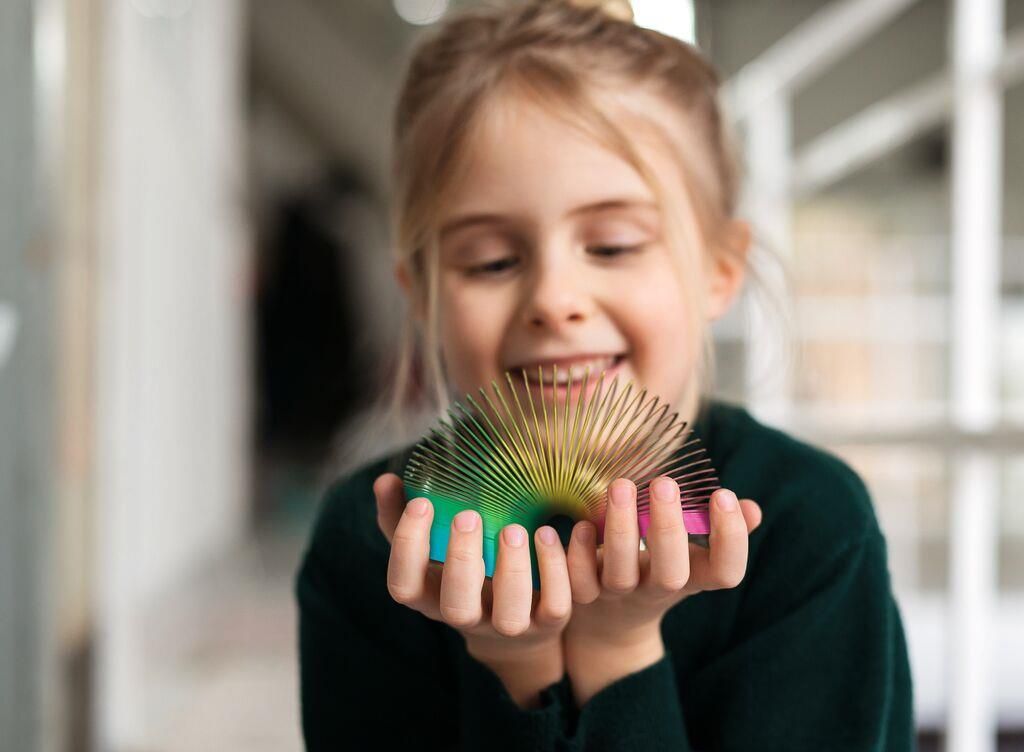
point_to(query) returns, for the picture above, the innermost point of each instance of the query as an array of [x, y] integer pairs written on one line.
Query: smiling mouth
[[567, 372]]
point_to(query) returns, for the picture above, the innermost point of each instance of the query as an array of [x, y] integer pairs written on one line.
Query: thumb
[[390, 495]]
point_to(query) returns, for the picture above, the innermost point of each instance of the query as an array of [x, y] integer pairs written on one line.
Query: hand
[[508, 626], [621, 593]]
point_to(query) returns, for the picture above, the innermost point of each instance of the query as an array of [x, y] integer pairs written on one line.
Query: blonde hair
[[558, 53]]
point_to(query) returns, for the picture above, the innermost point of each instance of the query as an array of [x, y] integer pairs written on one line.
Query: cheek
[[655, 315], [471, 328], [656, 308]]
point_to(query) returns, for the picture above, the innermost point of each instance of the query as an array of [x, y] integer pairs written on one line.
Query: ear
[[728, 267], [404, 279]]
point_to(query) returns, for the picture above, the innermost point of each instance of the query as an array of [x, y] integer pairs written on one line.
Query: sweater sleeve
[[355, 692], [490, 718], [817, 660], [377, 675], [640, 711], [822, 667]]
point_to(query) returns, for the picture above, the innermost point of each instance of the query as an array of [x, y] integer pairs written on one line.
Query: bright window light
[[420, 12], [672, 17]]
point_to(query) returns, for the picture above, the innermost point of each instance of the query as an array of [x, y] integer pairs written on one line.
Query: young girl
[[565, 195]]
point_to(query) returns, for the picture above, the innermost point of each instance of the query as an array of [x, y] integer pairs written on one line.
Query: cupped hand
[[507, 625], [621, 593]]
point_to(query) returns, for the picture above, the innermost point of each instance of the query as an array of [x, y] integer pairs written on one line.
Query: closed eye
[[606, 251], [492, 267]]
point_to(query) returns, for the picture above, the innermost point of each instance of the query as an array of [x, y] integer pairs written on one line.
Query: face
[[552, 253]]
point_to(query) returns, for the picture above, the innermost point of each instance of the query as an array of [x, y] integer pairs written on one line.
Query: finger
[[725, 561], [431, 603], [751, 513], [669, 567], [463, 574], [390, 495], [555, 604], [512, 583], [410, 553], [621, 571], [699, 562], [581, 562]]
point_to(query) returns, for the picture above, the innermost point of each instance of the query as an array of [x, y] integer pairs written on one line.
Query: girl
[[565, 195]]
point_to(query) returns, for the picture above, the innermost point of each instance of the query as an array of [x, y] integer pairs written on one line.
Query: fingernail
[[514, 535], [418, 507], [620, 493], [664, 488], [465, 521], [727, 501], [548, 535]]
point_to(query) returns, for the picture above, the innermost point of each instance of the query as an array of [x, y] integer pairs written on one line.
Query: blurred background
[[196, 307]]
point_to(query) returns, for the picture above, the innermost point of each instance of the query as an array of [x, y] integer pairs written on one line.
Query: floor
[[224, 671]]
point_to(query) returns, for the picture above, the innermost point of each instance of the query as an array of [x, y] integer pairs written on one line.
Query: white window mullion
[[977, 41]]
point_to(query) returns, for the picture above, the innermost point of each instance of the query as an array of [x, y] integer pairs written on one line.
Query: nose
[[555, 298]]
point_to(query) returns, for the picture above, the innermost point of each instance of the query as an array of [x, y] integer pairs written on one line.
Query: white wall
[[173, 294]]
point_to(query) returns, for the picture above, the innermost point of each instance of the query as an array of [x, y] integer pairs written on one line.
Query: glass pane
[[871, 310], [908, 486], [1011, 526], [1011, 346]]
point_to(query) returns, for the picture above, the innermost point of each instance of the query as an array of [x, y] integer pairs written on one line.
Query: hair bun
[[620, 10]]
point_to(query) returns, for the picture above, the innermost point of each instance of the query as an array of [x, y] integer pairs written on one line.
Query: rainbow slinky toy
[[516, 455]]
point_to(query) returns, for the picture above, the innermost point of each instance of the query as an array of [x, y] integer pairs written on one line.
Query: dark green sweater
[[808, 653]]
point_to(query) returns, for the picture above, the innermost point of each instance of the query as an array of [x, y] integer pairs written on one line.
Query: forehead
[[534, 159]]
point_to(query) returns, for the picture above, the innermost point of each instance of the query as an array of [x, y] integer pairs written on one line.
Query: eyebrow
[[469, 220]]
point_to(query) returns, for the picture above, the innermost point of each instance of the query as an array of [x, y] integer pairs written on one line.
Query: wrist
[[593, 663], [525, 670]]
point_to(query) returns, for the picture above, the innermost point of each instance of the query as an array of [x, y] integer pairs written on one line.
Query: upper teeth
[[574, 372]]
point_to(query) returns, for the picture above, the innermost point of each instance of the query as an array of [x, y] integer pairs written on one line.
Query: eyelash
[[486, 269]]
